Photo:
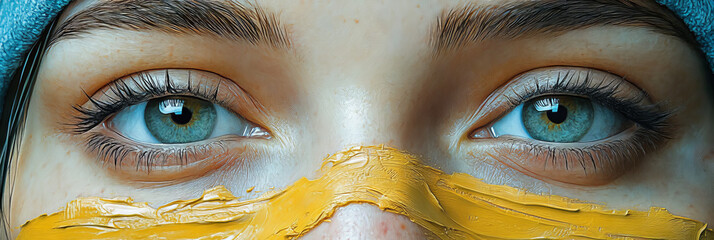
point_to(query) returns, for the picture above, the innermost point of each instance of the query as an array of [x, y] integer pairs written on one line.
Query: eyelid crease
[[143, 86]]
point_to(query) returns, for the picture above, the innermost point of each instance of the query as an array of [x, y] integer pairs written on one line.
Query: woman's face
[[583, 105]]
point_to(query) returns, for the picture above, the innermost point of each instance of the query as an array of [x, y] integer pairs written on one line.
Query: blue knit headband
[[22, 21]]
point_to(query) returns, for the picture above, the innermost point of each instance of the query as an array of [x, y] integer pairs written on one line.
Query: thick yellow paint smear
[[456, 206]]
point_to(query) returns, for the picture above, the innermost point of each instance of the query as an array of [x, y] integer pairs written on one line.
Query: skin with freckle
[[364, 74]]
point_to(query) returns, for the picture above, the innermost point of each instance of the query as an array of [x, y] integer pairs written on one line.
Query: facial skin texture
[[456, 206], [364, 74]]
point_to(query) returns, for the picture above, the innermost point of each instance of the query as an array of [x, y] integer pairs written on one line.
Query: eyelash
[[111, 149], [653, 121], [653, 127], [648, 116], [125, 96], [626, 151]]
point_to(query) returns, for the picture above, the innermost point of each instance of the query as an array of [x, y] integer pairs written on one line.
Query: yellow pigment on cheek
[[456, 206]]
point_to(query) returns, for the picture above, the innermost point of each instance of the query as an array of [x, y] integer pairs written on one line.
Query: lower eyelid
[[163, 163], [589, 164]]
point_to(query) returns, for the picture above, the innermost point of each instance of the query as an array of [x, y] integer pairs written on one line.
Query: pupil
[[182, 118], [559, 116]]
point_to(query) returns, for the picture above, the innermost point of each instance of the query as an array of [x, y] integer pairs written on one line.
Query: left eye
[[180, 119], [560, 118]]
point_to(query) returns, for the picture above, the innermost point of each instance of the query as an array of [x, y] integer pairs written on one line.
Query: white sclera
[[606, 123], [511, 124], [130, 123]]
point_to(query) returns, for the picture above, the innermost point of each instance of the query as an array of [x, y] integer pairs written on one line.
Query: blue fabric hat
[[22, 21], [699, 17]]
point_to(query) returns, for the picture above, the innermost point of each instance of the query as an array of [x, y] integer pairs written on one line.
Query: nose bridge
[[357, 81], [360, 114], [363, 115]]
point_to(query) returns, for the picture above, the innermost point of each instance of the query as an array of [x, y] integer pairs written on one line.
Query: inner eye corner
[[482, 132]]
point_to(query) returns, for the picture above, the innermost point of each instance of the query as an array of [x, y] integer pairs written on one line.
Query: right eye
[[180, 119], [572, 125]]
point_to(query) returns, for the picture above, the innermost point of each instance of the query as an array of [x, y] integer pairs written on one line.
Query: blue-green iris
[[558, 119], [180, 119]]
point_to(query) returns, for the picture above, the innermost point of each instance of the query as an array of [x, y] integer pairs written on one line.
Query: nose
[[362, 117], [364, 221], [365, 103]]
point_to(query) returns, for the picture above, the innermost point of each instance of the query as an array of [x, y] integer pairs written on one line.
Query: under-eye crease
[[149, 123], [643, 126], [116, 150]]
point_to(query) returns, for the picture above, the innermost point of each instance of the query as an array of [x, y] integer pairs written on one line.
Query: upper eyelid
[[636, 107], [570, 82], [521, 88], [118, 95]]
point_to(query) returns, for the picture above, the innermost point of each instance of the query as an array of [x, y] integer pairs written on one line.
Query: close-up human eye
[[577, 126], [175, 119], [474, 119], [151, 119], [561, 119]]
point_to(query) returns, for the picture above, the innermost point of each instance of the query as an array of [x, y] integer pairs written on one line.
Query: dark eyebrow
[[225, 19], [472, 24]]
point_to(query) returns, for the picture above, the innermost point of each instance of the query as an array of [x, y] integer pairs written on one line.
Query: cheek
[[392, 182], [43, 179]]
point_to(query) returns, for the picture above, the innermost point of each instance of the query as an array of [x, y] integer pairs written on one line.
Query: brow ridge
[[225, 19], [472, 24]]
